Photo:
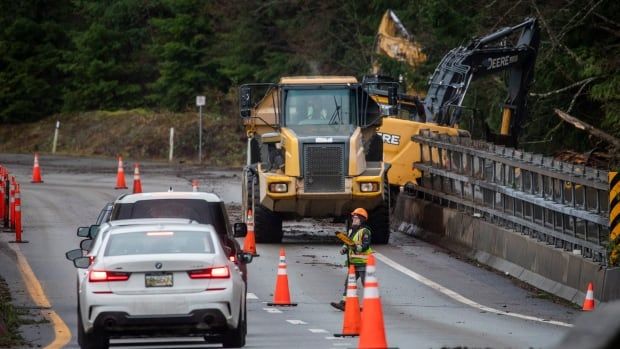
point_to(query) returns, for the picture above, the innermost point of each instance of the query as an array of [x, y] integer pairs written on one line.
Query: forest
[[60, 56]]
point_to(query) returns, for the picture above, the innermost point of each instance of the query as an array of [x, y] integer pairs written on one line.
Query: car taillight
[[100, 276], [210, 273]]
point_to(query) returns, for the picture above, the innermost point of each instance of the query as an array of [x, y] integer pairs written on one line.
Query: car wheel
[[235, 338], [94, 340]]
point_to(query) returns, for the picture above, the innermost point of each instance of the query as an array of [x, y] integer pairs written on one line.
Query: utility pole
[[200, 102]]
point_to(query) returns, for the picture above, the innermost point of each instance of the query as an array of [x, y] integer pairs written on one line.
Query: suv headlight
[[366, 187], [278, 187]]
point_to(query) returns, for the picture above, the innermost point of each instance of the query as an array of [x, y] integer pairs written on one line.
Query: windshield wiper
[[336, 118]]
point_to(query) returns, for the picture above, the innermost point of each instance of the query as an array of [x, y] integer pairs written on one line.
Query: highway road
[[431, 299]]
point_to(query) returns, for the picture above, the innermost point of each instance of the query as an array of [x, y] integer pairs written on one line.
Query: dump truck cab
[[313, 152]]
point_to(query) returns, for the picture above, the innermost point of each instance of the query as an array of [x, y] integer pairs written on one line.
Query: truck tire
[[267, 224], [379, 219]]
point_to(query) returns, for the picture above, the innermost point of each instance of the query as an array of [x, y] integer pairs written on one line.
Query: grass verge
[[9, 319]]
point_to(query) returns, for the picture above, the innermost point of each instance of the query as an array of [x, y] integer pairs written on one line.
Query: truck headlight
[[369, 186], [278, 187]]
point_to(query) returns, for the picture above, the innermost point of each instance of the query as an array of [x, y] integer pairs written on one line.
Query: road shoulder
[[35, 329]]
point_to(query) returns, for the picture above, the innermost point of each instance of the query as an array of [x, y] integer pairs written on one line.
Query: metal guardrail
[[563, 204]]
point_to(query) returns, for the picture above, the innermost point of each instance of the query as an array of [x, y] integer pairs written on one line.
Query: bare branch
[[608, 29], [606, 20], [554, 40], [547, 94], [505, 14], [572, 102], [588, 128], [581, 19]]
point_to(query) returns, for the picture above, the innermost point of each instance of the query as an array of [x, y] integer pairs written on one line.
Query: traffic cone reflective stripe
[[120, 175], [372, 332], [352, 318], [249, 244], [588, 303], [36, 170], [137, 183], [281, 296]]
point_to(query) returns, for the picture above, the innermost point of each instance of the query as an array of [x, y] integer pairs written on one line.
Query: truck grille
[[323, 168]]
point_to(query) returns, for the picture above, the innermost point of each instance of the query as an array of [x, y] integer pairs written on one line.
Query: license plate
[[158, 280]]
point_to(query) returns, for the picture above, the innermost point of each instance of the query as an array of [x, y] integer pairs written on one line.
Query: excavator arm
[[484, 56]]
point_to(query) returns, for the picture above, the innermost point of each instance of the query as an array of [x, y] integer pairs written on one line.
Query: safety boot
[[338, 305]]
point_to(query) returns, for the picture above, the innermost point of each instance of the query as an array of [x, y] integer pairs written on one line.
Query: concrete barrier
[[550, 269]]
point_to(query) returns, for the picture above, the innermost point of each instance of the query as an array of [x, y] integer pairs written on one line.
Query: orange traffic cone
[[120, 175], [137, 183], [372, 333], [36, 170], [588, 303], [195, 185], [352, 317], [249, 244], [18, 216], [281, 296]]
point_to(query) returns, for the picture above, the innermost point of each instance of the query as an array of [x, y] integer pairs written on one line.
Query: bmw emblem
[[158, 265]]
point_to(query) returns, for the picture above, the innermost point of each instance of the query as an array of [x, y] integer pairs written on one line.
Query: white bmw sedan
[[160, 280]]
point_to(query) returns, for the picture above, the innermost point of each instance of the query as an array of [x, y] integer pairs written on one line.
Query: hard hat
[[360, 212]]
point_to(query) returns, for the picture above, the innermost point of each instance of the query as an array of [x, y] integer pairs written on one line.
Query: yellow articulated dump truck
[[313, 152]]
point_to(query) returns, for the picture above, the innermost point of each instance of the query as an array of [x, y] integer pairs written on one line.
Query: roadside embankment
[[138, 133]]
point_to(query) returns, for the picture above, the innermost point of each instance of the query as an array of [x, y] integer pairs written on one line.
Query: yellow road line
[[62, 332]]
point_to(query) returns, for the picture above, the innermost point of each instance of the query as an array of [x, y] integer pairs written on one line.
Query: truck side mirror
[[392, 95], [245, 101], [241, 230]]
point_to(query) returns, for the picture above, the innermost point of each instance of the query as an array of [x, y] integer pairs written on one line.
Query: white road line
[[296, 322], [458, 297], [317, 330], [273, 310], [251, 295], [342, 344]]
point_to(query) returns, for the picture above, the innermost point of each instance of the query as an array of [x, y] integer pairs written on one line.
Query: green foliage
[[32, 41], [123, 54], [182, 46]]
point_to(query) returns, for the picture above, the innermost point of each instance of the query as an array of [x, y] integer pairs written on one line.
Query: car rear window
[[201, 211], [159, 242]]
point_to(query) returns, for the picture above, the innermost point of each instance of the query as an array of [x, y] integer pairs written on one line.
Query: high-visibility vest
[[359, 257]]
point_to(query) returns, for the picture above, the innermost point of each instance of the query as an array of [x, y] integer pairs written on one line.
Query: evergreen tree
[[111, 67], [183, 47], [32, 42]]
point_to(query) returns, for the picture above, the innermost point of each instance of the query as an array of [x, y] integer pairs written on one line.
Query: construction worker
[[357, 254]]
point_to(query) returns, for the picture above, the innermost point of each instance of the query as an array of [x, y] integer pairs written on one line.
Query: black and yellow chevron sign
[[614, 205]]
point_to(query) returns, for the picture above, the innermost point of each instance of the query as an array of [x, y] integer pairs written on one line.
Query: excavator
[[442, 107]]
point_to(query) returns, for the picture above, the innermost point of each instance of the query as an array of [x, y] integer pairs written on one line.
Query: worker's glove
[[344, 250], [358, 248]]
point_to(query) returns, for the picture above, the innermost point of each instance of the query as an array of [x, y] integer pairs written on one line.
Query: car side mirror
[[73, 254], [86, 244], [245, 101], [83, 232], [246, 257], [93, 230], [241, 230], [81, 262]]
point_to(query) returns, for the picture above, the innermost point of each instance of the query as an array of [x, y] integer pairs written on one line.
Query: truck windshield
[[334, 107]]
